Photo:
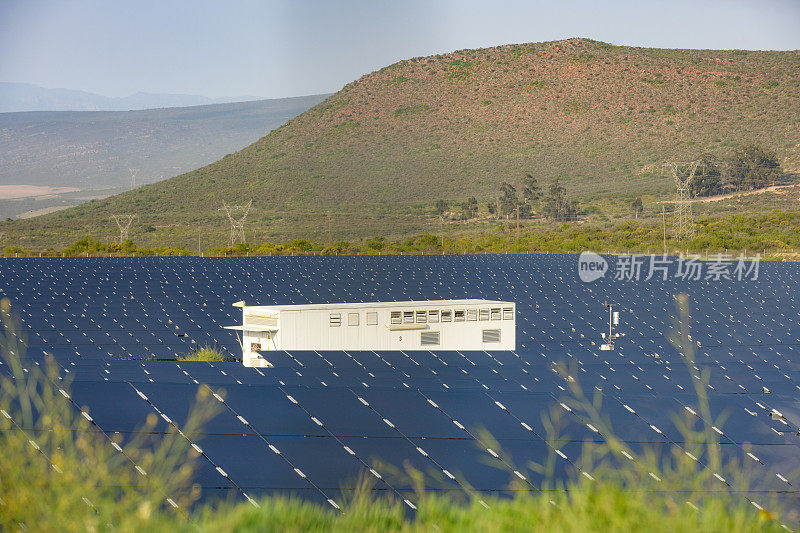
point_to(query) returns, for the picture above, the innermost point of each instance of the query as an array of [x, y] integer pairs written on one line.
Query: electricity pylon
[[123, 223], [237, 223], [683, 173], [134, 172]]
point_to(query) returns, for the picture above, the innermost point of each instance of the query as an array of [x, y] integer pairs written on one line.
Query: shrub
[[205, 353]]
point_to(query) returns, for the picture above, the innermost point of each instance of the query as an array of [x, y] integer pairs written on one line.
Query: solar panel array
[[318, 420]]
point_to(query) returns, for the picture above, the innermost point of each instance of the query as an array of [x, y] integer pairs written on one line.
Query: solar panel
[[116, 326]]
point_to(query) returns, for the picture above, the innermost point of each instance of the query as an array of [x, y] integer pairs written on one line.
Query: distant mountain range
[[98, 151], [16, 97]]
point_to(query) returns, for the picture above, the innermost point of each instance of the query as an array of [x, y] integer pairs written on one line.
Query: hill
[[16, 97], [93, 151], [381, 151]]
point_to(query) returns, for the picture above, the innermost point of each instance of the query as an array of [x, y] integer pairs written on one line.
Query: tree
[[530, 193], [525, 210], [377, 243], [556, 204], [753, 167], [530, 189], [508, 200], [708, 178], [637, 206], [491, 206], [470, 208], [441, 207]]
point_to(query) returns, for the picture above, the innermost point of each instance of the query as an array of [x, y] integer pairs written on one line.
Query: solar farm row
[[318, 420]]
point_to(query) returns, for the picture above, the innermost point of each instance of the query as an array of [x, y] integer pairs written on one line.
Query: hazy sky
[[274, 49]]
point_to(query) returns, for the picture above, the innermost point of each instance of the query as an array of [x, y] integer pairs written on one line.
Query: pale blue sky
[[288, 48]]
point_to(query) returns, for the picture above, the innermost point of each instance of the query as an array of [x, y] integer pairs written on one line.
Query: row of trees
[[776, 231], [553, 203], [508, 201], [746, 168]]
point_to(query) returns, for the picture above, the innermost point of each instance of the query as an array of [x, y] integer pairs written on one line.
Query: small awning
[[252, 328]]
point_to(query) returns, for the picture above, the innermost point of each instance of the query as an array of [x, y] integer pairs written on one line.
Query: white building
[[425, 325]]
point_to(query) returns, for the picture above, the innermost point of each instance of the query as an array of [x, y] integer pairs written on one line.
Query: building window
[[408, 317], [491, 335], [433, 317], [483, 314], [429, 338], [372, 318], [472, 315], [396, 317], [336, 320], [422, 317], [352, 319], [508, 313], [447, 316], [496, 315], [459, 315]]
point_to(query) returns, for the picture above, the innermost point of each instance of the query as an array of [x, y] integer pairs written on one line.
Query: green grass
[[404, 111], [205, 353], [58, 474]]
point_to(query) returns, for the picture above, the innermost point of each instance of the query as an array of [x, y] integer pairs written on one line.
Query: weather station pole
[[613, 320]]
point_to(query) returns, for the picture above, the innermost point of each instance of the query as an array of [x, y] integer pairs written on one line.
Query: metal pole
[[517, 221], [664, 224], [441, 230], [329, 230]]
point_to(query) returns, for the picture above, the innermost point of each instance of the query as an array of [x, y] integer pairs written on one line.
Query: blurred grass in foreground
[[59, 472]]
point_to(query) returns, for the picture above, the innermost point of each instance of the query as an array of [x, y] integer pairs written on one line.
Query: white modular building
[[423, 325]]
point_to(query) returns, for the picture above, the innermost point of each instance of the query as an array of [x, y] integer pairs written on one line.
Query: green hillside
[[381, 151]]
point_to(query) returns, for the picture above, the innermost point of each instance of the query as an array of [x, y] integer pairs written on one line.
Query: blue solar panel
[[117, 325], [114, 406], [325, 461], [269, 411], [248, 460], [396, 457]]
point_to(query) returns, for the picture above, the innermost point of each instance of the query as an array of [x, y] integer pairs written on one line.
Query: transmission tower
[[123, 223], [134, 172], [683, 173], [237, 222]]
